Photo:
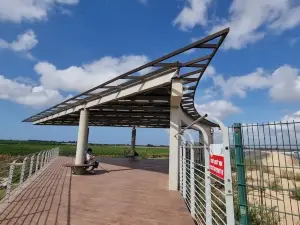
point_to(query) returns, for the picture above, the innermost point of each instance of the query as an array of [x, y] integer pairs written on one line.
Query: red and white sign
[[216, 160]]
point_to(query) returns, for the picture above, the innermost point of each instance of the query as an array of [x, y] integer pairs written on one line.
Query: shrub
[[262, 215], [275, 184], [295, 194], [290, 175]]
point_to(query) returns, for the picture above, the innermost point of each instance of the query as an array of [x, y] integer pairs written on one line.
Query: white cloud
[[210, 71], [239, 85], [219, 108], [24, 90], [249, 20], [209, 93], [81, 78], [292, 117], [29, 10], [35, 96], [283, 83], [194, 13], [24, 43]]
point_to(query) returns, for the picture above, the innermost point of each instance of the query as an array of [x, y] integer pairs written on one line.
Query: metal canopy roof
[[147, 107]]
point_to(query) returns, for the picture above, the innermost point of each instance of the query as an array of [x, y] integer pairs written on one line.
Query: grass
[[275, 184], [2, 193], [295, 194], [24, 148], [290, 175], [261, 215]]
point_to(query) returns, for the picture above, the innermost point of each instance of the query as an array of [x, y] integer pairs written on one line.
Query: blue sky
[[52, 49]]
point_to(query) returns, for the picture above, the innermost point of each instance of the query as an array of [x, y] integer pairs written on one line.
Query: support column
[[82, 136], [200, 152], [175, 125], [133, 139], [87, 137]]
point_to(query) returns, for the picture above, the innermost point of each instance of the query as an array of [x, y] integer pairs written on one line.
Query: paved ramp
[[131, 193]]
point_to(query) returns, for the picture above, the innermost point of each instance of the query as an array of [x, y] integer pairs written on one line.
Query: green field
[[17, 148]]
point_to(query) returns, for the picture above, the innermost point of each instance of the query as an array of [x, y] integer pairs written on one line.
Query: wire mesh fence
[[266, 172], [15, 171]]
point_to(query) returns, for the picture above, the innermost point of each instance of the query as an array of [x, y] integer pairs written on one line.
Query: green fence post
[[241, 181]]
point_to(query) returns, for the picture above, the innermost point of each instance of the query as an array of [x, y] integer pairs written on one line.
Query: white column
[[200, 152], [175, 123], [87, 137], [82, 136]]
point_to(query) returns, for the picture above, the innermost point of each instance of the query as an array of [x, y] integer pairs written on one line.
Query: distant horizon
[[74, 142]]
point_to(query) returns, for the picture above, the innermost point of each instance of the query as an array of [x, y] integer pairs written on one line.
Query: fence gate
[[204, 184]]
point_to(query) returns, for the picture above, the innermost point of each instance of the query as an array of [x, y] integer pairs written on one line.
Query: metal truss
[[150, 108]]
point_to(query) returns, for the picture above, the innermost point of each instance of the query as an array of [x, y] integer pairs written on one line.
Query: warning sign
[[216, 160]]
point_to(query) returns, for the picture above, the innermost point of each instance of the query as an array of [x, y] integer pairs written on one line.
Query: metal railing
[[203, 191], [14, 172], [266, 173]]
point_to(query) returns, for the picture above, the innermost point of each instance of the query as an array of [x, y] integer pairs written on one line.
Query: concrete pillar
[[87, 137], [209, 134], [82, 136], [175, 125]]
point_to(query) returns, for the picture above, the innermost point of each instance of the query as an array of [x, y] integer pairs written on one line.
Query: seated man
[[90, 159]]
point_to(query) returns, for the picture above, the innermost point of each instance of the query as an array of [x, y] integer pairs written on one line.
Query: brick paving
[[130, 193]]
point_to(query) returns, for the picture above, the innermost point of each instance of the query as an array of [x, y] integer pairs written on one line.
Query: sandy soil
[[277, 198]]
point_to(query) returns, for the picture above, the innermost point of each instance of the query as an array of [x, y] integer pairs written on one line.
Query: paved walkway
[[131, 193]]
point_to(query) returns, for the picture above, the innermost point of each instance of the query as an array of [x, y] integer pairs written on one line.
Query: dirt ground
[[276, 191]]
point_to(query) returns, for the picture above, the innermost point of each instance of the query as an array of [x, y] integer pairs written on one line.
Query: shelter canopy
[[140, 97]]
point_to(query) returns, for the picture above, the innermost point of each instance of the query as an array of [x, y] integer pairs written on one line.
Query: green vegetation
[[295, 194], [262, 215], [290, 175], [17, 148], [275, 184]]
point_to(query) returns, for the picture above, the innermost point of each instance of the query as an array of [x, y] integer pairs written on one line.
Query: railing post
[[208, 214], [42, 159], [47, 157], [23, 170], [241, 181], [192, 180], [180, 169], [31, 165], [184, 172], [37, 163], [10, 178]]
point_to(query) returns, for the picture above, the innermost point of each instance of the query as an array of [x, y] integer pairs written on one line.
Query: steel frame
[[151, 103]]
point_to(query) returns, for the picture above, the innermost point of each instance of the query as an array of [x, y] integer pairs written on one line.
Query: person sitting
[[90, 159]]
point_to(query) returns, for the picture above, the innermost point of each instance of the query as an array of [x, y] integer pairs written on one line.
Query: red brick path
[[131, 193]]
